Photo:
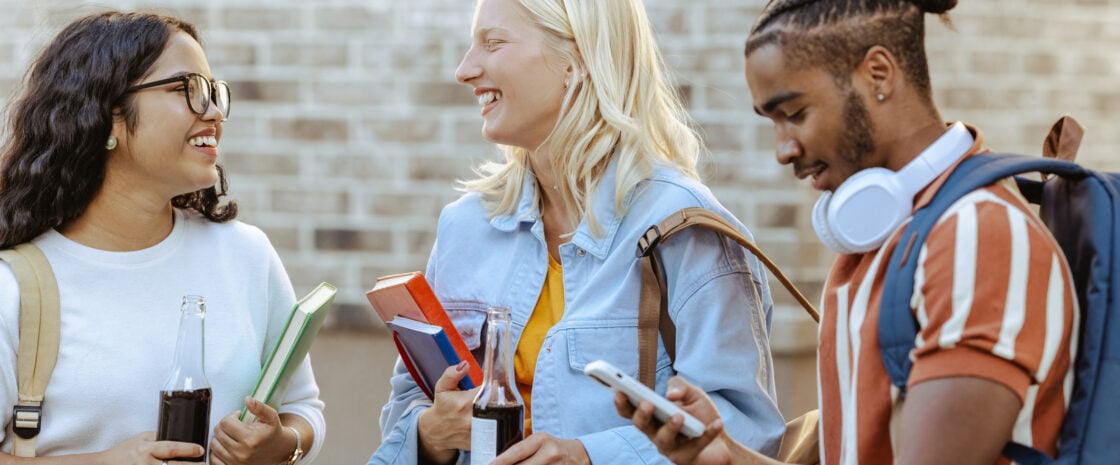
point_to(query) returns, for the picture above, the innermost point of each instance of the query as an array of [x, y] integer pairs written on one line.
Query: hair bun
[[935, 6]]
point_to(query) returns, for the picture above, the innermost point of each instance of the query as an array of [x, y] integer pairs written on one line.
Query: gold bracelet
[[298, 453]]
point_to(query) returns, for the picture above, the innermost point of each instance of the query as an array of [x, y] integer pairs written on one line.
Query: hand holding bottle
[[545, 448], [445, 428], [143, 449]]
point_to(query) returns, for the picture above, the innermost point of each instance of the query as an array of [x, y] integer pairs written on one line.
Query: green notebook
[[292, 347]]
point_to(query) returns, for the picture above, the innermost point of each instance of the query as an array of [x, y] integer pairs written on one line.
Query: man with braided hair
[[846, 84]]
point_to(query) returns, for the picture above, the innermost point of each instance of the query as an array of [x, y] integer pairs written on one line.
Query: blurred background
[[348, 133]]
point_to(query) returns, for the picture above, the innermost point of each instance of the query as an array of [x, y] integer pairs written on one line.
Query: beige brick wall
[[348, 131]]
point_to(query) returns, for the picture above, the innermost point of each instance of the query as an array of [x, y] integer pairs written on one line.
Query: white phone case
[[663, 410]]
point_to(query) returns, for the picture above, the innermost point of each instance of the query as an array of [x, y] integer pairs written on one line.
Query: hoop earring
[[111, 143]]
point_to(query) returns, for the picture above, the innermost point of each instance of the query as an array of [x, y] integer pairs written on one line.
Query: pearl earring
[[111, 143], [880, 97]]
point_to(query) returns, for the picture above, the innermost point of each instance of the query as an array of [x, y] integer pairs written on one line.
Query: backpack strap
[[1064, 139], [653, 315], [897, 325], [1025, 455], [38, 341]]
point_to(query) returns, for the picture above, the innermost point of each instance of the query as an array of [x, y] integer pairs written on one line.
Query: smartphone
[[663, 410]]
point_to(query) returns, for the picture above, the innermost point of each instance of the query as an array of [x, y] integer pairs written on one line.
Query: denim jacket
[[718, 299]]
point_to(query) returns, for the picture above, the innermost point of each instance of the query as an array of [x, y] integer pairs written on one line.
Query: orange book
[[409, 296]]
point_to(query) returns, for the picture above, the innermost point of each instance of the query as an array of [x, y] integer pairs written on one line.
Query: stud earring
[[111, 143], [880, 97]]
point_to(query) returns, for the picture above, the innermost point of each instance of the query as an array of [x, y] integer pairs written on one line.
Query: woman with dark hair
[[110, 168]]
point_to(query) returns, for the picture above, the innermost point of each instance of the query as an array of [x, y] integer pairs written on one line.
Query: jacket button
[[581, 252]]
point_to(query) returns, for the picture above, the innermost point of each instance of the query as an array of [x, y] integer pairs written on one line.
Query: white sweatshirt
[[120, 317]]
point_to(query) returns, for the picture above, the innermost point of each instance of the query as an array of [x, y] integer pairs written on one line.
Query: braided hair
[[837, 34]]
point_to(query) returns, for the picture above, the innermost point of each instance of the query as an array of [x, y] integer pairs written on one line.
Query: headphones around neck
[[872, 203]]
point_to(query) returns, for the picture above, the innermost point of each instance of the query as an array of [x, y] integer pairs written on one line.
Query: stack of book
[[426, 339]]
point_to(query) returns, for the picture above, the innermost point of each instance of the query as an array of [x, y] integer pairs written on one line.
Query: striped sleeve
[[1008, 312]]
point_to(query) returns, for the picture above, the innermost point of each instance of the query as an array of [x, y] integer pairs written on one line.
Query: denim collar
[[527, 212]]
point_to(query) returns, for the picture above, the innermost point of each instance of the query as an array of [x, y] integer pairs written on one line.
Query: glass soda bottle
[[498, 421], [184, 406]]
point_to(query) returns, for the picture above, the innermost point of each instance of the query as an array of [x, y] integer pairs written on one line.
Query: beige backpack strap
[[653, 312], [38, 341]]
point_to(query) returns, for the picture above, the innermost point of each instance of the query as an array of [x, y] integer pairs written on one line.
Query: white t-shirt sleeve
[[302, 397]]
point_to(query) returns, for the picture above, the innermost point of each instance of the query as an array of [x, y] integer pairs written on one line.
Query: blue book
[[426, 352]]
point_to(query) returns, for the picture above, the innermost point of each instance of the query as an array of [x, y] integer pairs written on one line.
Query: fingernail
[[673, 386], [461, 366]]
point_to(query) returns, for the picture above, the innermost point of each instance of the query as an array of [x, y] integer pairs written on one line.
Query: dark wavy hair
[[837, 33], [54, 161]]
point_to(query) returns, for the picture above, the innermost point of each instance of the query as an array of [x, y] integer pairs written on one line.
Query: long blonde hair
[[621, 103]]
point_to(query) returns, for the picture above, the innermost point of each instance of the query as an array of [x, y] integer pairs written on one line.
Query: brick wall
[[348, 130]]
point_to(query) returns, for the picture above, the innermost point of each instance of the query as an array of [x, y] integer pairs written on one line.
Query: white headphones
[[871, 204]]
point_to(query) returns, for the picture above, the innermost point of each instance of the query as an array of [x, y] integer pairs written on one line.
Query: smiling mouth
[[203, 141], [813, 170], [489, 97]]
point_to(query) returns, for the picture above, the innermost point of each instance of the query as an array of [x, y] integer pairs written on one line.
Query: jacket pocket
[[615, 341], [470, 319]]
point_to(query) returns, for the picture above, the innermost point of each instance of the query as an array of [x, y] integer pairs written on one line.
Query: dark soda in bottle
[[184, 407], [507, 427], [498, 421]]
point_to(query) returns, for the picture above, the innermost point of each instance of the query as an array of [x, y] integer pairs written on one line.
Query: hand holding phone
[[663, 410]]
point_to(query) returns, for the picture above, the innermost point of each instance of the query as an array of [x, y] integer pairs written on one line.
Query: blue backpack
[[1081, 208]]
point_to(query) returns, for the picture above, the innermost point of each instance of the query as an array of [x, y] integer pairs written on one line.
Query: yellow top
[[549, 310]]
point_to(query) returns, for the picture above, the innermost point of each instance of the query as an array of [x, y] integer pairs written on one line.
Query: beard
[[857, 143]]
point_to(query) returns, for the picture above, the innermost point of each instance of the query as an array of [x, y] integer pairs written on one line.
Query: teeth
[[488, 97], [204, 141]]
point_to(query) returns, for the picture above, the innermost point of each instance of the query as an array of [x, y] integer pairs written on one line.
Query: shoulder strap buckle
[[28, 419], [649, 241]]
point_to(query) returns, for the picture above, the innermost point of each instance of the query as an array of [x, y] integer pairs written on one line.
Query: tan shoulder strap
[[653, 316], [38, 341], [1064, 139]]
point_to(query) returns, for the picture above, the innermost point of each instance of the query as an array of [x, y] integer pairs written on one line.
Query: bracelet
[[298, 453]]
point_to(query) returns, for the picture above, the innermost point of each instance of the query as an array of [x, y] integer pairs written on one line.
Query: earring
[[880, 97], [111, 143]]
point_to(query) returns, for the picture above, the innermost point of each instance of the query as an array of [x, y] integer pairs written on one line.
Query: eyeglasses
[[199, 92]]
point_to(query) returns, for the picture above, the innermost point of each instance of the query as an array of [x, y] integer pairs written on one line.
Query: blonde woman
[[597, 148]]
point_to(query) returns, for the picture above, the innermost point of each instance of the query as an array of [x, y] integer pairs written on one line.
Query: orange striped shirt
[[993, 299]]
